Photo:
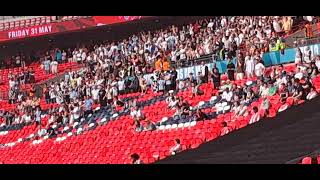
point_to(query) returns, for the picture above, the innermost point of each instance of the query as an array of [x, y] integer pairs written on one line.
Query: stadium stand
[[109, 102]]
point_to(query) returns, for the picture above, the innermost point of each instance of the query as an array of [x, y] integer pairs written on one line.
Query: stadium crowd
[[116, 68]]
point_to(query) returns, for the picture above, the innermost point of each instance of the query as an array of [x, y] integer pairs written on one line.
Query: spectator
[[138, 126], [150, 126], [312, 94], [136, 159], [249, 66], [299, 93], [118, 102], [259, 70], [135, 113], [230, 70], [225, 129], [200, 116], [265, 105], [58, 56], [176, 148], [240, 67], [227, 95], [88, 103], [46, 65], [215, 78], [38, 116], [196, 90], [298, 58], [255, 117]]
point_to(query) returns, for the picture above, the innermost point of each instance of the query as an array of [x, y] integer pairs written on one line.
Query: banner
[[275, 58], [105, 20], [58, 27]]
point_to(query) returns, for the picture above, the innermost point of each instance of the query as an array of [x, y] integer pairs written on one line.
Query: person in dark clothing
[[136, 159], [174, 77], [59, 118], [9, 118], [205, 77], [299, 92], [51, 132], [307, 85], [230, 70], [32, 76], [118, 102], [134, 86], [150, 126], [102, 97], [313, 70], [66, 95], [215, 78], [47, 95], [200, 116], [240, 67]]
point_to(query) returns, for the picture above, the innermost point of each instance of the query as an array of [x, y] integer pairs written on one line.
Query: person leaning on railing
[[277, 45]]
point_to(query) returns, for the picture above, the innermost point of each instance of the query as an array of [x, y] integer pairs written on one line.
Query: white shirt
[[54, 64], [26, 118], [318, 64], [249, 62], [121, 85], [135, 113], [11, 83], [175, 148], [79, 80], [299, 75], [95, 94], [259, 69], [254, 118], [52, 94], [223, 22], [76, 112], [227, 96], [264, 91], [276, 26]]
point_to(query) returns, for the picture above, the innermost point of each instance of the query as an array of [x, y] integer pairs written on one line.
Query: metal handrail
[[297, 160]]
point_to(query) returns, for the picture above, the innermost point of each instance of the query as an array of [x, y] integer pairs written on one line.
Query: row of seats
[[34, 22], [26, 22], [310, 160], [40, 75]]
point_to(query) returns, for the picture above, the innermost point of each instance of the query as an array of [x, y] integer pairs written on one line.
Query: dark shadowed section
[[291, 134]]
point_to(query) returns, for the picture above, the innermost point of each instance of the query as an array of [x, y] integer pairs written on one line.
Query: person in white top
[[83, 56], [176, 148], [255, 116], [307, 56], [54, 67], [317, 60], [259, 69], [227, 95], [312, 94], [11, 83], [121, 86], [264, 90], [276, 26], [95, 94], [135, 113], [249, 66], [298, 57], [76, 112], [26, 118]]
